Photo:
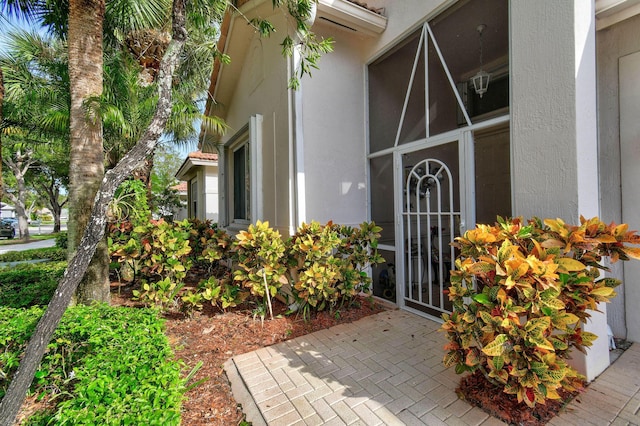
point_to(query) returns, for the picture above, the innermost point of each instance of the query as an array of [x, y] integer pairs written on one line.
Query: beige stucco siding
[[613, 43]]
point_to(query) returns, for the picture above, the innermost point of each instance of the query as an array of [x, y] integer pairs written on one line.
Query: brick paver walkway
[[387, 369]]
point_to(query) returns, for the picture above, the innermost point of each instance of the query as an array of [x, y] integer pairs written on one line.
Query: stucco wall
[[543, 110], [403, 18], [613, 43], [334, 134], [261, 89], [553, 125], [211, 193]]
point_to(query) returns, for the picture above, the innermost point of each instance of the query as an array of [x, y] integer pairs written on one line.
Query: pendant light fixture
[[480, 81]]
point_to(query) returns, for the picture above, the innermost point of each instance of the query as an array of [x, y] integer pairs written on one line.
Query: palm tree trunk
[[87, 160], [1, 118]]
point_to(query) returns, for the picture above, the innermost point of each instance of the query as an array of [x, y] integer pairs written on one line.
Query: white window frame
[[193, 197], [249, 135]]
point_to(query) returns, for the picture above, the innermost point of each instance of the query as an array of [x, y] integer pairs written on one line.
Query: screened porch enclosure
[[438, 152]]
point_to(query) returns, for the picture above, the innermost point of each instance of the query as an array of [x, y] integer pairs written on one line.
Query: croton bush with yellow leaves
[[521, 293]]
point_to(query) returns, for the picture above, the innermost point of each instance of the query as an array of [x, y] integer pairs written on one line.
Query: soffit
[[352, 15], [610, 12]]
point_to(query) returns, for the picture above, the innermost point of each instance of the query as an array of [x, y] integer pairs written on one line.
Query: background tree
[[94, 233], [36, 111], [1, 126], [19, 163], [86, 167], [50, 179], [165, 199]]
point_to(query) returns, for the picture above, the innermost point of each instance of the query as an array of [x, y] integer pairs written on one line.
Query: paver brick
[[459, 407], [379, 401], [400, 404], [620, 422], [399, 379], [493, 421], [474, 417], [432, 420], [304, 408], [279, 411], [409, 419], [336, 421], [358, 374], [387, 417], [345, 412], [319, 393], [267, 394], [367, 415], [422, 407], [314, 420], [299, 391], [335, 397], [292, 417]]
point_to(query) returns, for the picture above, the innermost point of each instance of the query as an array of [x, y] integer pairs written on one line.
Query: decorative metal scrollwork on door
[[430, 224]]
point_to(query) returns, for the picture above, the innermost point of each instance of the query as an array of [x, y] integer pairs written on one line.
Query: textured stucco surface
[[612, 44], [630, 158], [553, 124], [543, 109]]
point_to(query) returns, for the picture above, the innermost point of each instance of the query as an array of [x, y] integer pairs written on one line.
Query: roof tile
[[181, 187], [378, 10], [199, 155]]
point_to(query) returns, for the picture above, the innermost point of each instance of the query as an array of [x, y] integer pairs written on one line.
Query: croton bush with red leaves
[[521, 294]]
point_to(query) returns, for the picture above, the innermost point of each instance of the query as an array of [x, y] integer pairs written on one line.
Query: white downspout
[[293, 205], [297, 192]]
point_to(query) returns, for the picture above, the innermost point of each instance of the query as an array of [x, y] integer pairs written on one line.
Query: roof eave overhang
[[611, 12], [352, 16], [189, 163]]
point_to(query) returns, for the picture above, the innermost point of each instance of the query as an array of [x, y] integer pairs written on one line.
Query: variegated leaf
[[498, 346]]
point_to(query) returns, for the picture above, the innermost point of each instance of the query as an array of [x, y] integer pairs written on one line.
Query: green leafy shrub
[[48, 253], [521, 294], [260, 261], [327, 264], [158, 252], [221, 292], [62, 240], [29, 284], [209, 244], [105, 365]]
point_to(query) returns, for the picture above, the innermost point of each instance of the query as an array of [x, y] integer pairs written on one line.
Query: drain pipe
[[297, 211]]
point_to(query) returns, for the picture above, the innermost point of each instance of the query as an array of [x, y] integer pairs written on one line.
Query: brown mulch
[[213, 336], [475, 389]]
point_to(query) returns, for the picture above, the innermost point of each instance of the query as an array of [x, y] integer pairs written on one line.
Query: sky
[[11, 23]]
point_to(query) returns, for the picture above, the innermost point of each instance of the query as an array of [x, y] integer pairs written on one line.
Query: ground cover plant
[[48, 253], [105, 365], [26, 285], [521, 293]]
